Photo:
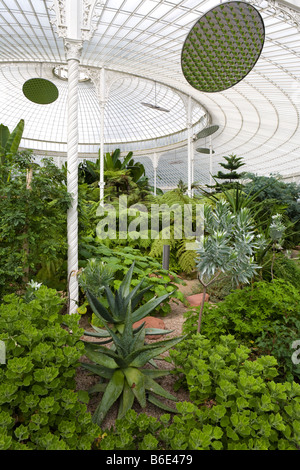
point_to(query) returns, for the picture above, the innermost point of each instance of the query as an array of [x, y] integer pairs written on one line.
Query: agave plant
[[119, 303], [123, 369]]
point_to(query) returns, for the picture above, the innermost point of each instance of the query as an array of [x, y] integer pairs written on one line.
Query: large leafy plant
[[170, 206], [9, 144]]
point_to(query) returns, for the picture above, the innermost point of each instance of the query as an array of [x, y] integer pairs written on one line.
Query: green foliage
[[228, 248], [231, 177], [133, 432], [219, 290], [284, 268], [266, 313], [95, 276], [39, 408], [149, 236], [122, 364], [236, 405], [228, 245], [121, 175], [241, 406], [275, 195], [33, 225], [120, 303]]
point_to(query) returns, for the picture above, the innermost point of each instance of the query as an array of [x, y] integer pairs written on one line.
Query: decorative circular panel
[[207, 131], [223, 47], [40, 91], [203, 150]]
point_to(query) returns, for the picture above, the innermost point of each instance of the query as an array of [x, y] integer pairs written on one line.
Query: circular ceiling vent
[[40, 91], [223, 47]]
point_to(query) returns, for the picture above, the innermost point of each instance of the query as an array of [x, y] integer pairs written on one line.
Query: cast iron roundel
[[223, 47], [40, 91]]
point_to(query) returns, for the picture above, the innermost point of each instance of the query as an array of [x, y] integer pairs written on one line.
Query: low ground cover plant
[[265, 315], [236, 404], [40, 409]]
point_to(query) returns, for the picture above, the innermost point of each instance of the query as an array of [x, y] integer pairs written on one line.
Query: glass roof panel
[[143, 39]]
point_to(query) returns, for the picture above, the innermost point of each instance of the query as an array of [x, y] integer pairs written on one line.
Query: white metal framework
[[142, 41]]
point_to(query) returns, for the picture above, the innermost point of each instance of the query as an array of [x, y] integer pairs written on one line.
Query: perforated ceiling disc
[[207, 131], [223, 47], [203, 150], [40, 91]]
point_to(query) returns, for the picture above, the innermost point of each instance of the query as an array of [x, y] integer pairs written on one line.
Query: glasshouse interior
[[150, 225]]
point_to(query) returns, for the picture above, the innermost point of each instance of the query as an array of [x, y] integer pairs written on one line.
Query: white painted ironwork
[[258, 118], [74, 19]]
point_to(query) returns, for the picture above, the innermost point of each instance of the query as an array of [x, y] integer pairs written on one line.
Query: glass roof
[[143, 40]]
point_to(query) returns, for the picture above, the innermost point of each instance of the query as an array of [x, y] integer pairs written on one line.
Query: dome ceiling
[[126, 119], [258, 118]]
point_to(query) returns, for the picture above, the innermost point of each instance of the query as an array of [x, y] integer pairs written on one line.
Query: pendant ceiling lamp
[[223, 47], [155, 106], [204, 150], [207, 132], [40, 90]]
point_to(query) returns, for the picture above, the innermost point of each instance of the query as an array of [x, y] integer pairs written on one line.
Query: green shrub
[[219, 290], [120, 302], [284, 268], [132, 432], [241, 406], [236, 405], [266, 313], [39, 408]]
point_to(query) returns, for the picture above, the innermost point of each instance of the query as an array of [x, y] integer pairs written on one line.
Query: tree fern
[[186, 257]]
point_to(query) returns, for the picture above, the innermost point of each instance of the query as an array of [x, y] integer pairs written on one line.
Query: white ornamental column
[[102, 107], [190, 145], [155, 160], [73, 53], [73, 20], [99, 80]]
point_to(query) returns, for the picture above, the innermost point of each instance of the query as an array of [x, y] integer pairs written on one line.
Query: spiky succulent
[[119, 303], [123, 369]]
